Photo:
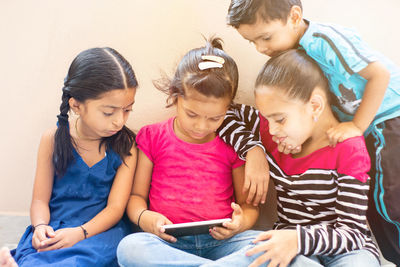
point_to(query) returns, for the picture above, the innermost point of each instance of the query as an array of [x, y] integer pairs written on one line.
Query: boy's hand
[[152, 222], [64, 238], [280, 248], [231, 228], [285, 148], [42, 232], [256, 176], [342, 131]]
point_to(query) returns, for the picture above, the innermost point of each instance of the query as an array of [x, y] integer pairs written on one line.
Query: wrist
[[84, 232], [34, 227]]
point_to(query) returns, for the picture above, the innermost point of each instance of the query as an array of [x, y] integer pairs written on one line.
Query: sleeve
[[353, 159], [144, 141], [340, 50], [350, 231], [240, 129]]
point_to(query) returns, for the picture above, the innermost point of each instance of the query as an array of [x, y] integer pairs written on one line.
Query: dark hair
[[92, 73], [295, 73], [247, 11], [217, 82]]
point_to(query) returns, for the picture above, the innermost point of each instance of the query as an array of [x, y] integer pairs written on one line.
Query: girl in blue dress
[[85, 168]]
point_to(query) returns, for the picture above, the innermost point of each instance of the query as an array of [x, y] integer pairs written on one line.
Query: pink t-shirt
[[190, 182]]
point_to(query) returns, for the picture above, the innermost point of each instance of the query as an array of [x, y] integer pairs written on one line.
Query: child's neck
[[302, 29], [319, 137]]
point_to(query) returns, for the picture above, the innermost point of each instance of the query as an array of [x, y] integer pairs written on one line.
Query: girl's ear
[[295, 16], [317, 103], [75, 105]]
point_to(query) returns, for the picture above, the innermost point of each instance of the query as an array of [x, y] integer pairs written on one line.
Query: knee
[[132, 249]]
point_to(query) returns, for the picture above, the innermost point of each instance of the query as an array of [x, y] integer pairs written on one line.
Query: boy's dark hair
[[295, 73], [92, 73], [248, 11], [217, 82]]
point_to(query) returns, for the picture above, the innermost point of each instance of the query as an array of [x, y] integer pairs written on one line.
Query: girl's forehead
[[116, 98]]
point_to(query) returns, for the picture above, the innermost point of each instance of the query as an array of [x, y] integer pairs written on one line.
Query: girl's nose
[[119, 120]]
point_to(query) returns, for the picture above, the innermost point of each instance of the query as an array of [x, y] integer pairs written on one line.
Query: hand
[[64, 238], [280, 248], [231, 228], [342, 131], [256, 176], [285, 148], [42, 232], [152, 222]]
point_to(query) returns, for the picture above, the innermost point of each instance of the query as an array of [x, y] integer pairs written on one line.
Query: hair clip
[[211, 61], [209, 65], [217, 59]]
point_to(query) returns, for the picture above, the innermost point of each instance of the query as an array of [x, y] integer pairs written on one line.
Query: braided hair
[[92, 73]]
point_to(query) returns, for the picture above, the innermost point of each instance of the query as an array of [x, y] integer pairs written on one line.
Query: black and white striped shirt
[[323, 195]]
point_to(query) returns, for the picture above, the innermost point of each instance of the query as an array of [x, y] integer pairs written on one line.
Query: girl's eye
[[191, 115], [215, 119], [107, 114], [280, 121], [267, 38], [128, 110]]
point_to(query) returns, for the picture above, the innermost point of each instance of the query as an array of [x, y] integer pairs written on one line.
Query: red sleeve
[[354, 159]]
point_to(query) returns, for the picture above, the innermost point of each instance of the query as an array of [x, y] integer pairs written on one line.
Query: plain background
[[39, 39]]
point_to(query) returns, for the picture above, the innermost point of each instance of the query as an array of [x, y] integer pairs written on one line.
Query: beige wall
[[40, 38]]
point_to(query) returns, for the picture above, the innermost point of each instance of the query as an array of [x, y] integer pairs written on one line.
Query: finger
[[167, 237], [288, 149], [252, 191], [258, 195], [262, 236], [263, 247], [246, 184], [50, 232], [219, 234], [55, 246], [50, 241], [281, 147], [260, 260]]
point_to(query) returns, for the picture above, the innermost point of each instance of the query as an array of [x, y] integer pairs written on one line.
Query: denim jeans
[[145, 249]]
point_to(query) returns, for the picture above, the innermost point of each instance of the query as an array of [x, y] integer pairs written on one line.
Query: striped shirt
[[241, 129], [324, 195]]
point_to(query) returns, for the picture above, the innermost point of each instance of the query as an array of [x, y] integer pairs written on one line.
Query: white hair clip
[[213, 58], [209, 65], [210, 62]]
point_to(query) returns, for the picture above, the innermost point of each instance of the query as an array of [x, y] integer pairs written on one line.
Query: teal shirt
[[341, 54]]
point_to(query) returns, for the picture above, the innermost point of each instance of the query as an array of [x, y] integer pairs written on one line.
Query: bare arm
[[378, 80], [377, 77], [43, 185], [150, 221]]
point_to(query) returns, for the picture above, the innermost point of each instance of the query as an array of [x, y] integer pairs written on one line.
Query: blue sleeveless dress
[[76, 198]]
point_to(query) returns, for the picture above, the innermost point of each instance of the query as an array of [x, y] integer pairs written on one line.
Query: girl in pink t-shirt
[[186, 173]]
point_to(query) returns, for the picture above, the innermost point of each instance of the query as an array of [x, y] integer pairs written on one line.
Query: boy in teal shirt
[[366, 95]]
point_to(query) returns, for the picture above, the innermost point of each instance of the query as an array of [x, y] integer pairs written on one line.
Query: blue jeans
[[145, 249]]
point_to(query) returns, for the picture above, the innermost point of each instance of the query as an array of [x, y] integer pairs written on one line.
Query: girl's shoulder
[[48, 135], [353, 158]]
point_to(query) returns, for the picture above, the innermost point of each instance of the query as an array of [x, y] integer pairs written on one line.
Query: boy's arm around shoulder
[[378, 78]]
